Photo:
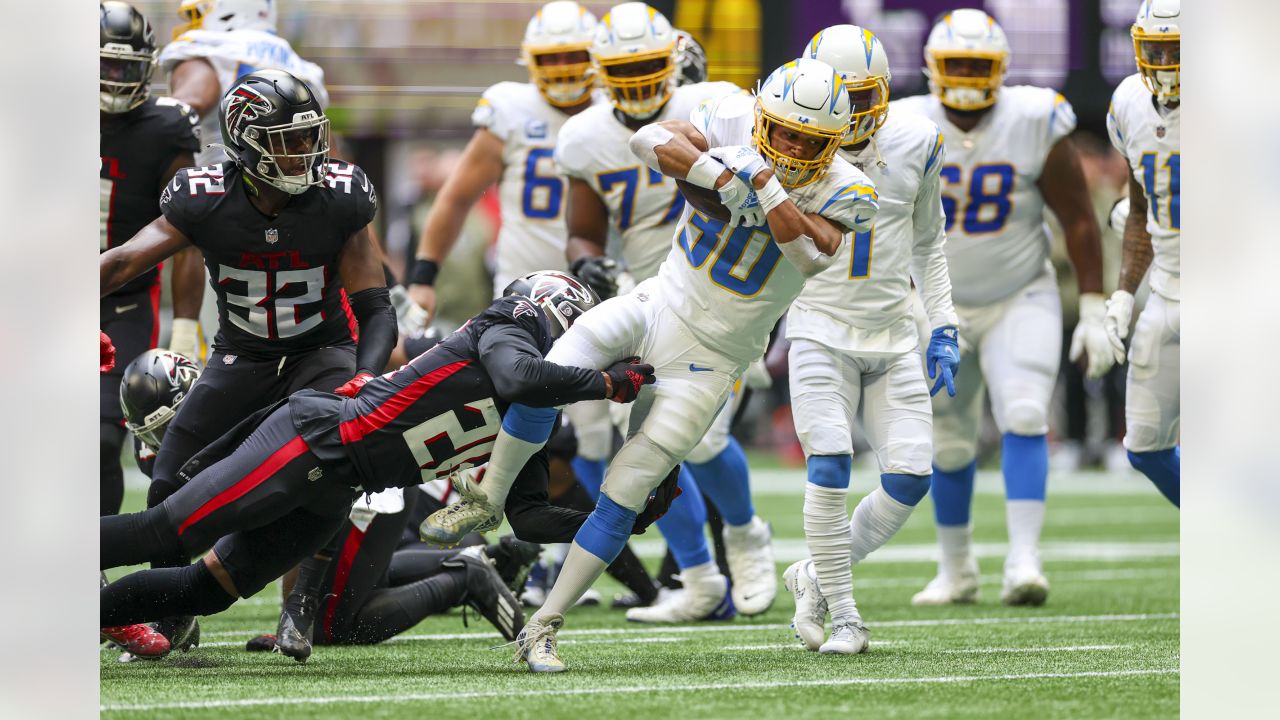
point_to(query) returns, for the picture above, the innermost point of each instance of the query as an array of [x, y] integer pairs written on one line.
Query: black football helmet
[[274, 127], [562, 297], [691, 60], [126, 57], [154, 385]]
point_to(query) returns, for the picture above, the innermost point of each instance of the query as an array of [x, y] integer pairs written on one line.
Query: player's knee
[[710, 447], [1026, 418], [1149, 461], [606, 530], [906, 489], [952, 457], [160, 489], [829, 471], [632, 475]]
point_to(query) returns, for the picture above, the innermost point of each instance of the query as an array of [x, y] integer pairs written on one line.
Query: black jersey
[[276, 279], [136, 149], [442, 411]]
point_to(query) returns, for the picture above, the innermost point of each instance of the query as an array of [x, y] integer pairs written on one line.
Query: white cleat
[[848, 637], [1024, 585], [536, 645], [749, 551], [473, 513], [702, 599], [950, 588], [810, 619]]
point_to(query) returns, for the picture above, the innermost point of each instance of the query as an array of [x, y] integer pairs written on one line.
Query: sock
[[668, 570], [153, 594], [715, 523], [826, 530], [952, 492], [1025, 463], [956, 542], [581, 569], [682, 526], [1164, 469], [391, 611], [590, 473], [135, 538], [597, 544], [413, 564], [726, 480], [876, 519], [524, 431]]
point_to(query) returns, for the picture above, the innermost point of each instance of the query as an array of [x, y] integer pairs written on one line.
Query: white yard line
[[509, 694], [1002, 650], [792, 549]]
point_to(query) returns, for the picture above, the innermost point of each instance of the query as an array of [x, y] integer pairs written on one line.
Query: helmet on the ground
[[154, 385], [862, 62], [562, 297], [691, 59], [226, 15], [805, 101], [966, 58], [274, 127], [126, 57], [556, 50], [634, 56], [1157, 46]]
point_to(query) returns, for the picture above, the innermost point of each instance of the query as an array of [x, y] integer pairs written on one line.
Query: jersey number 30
[[743, 262]]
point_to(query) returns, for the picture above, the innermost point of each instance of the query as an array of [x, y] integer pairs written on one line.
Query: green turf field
[[1105, 644]]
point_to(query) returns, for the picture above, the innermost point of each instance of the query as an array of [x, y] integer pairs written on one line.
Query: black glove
[[627, 377], [600, 272], [659, 502]]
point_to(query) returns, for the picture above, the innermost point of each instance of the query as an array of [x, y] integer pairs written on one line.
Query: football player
[[786, 200], [284, 236], [1008, 157], [276, 487], [634, 55], [143, 141], [1144, 126], [516, 127], [854, 345]]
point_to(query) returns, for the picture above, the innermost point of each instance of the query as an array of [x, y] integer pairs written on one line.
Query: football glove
[[599, 272], [1090, 337], [184, 338], [742, 160], [742, 203], [351, 388], [659, 502], [106, 353], [1116, 321], [626, 377], [943, 359]]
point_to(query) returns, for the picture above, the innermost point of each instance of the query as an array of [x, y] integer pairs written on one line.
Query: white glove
[[742, 203], [1119, 315], [1091, 338], [185, 338], [742, 160], [1119, 215], [413, 318]]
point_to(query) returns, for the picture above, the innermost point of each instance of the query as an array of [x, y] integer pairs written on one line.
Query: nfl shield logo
[[272, 236], [1159, 131], [229, 359]]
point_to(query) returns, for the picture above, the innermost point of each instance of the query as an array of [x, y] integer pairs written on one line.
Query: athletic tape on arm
[[646, 142]]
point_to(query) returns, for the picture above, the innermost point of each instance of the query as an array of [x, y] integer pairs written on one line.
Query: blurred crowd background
[[404, 76]]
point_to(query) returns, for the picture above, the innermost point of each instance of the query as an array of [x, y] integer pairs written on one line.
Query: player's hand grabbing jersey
[[994, 209], [137, 149], [276, 279], [1150, 142], [731, 284]]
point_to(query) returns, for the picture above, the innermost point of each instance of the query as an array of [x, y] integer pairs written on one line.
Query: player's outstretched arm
[[360, 265], [195, 83], [587, 219], [479, 168], [149, 247]]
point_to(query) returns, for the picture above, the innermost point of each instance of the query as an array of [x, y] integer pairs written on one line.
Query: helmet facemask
[[793, 171], [966, 79], [291, 157], [869, 100], [1158, 56], [562, 73], [124, 77], [640, 83]]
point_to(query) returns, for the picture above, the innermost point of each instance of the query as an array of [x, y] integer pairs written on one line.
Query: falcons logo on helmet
[[245, 105], [523, 307], [549, 284]]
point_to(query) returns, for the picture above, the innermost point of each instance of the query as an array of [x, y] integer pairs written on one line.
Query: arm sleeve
[[529, 510], [521, 375], [372, 308], [928, 256]]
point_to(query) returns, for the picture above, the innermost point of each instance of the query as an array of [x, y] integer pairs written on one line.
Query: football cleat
[[140, 641], [950, 588], [297, 621], [262, 643], [702, 599], [749, 552], [1024, 585], [487, 592], [514, 558], [472, 513], [536, 645], [810, 619], [183, 631], [848, 637]]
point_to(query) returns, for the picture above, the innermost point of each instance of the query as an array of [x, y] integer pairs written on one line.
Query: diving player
[[1008, 157], [854, 345], [1144, 123], [786, 201]]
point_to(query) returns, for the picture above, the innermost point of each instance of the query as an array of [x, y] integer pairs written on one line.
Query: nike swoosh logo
[[695, 368], [125, 308], [858, 219]]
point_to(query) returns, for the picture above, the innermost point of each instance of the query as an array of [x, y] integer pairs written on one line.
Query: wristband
[[423, 272], [705, 171], [771, 195]]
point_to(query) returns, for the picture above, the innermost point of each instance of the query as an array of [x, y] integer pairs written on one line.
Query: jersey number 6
[[542, 193]]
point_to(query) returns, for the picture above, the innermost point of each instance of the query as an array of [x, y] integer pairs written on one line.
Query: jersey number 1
[[1150, 178]]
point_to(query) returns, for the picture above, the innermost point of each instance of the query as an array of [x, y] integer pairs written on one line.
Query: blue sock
[[590, 473], [606, 530], [1164, 469], [953, 494], [726, 480], [830, 471], [906, 489], [1025, 462], [683, 523]]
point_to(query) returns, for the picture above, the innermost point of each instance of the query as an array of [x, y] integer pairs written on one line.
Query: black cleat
[[513, 557], [487, 593], [183, 631], [261, 643], [297, 620]]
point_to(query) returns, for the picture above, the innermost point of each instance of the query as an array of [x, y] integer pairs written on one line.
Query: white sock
[[826, 532], [956, 542], [876, 519], [580, 571], [1025, 519], [706, 573], [508, 458]]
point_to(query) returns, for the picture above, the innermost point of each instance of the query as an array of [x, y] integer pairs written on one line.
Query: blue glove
[[943, 359]]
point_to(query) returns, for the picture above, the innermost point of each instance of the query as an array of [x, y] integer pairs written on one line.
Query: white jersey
[[644, 205], [531, 191], [1149, 139], [232, 55], [997, 240], [862, 303], [730, 285]]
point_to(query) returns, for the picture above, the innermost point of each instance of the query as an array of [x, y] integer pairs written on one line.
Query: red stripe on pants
[[278, 459], [350, 547], [355, 429]]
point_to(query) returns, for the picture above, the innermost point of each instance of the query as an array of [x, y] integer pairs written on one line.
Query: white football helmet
[[966, 59], [563, 29], [634, 55], [226, 15], [1157, 43], [806, 100], [861, 60]]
